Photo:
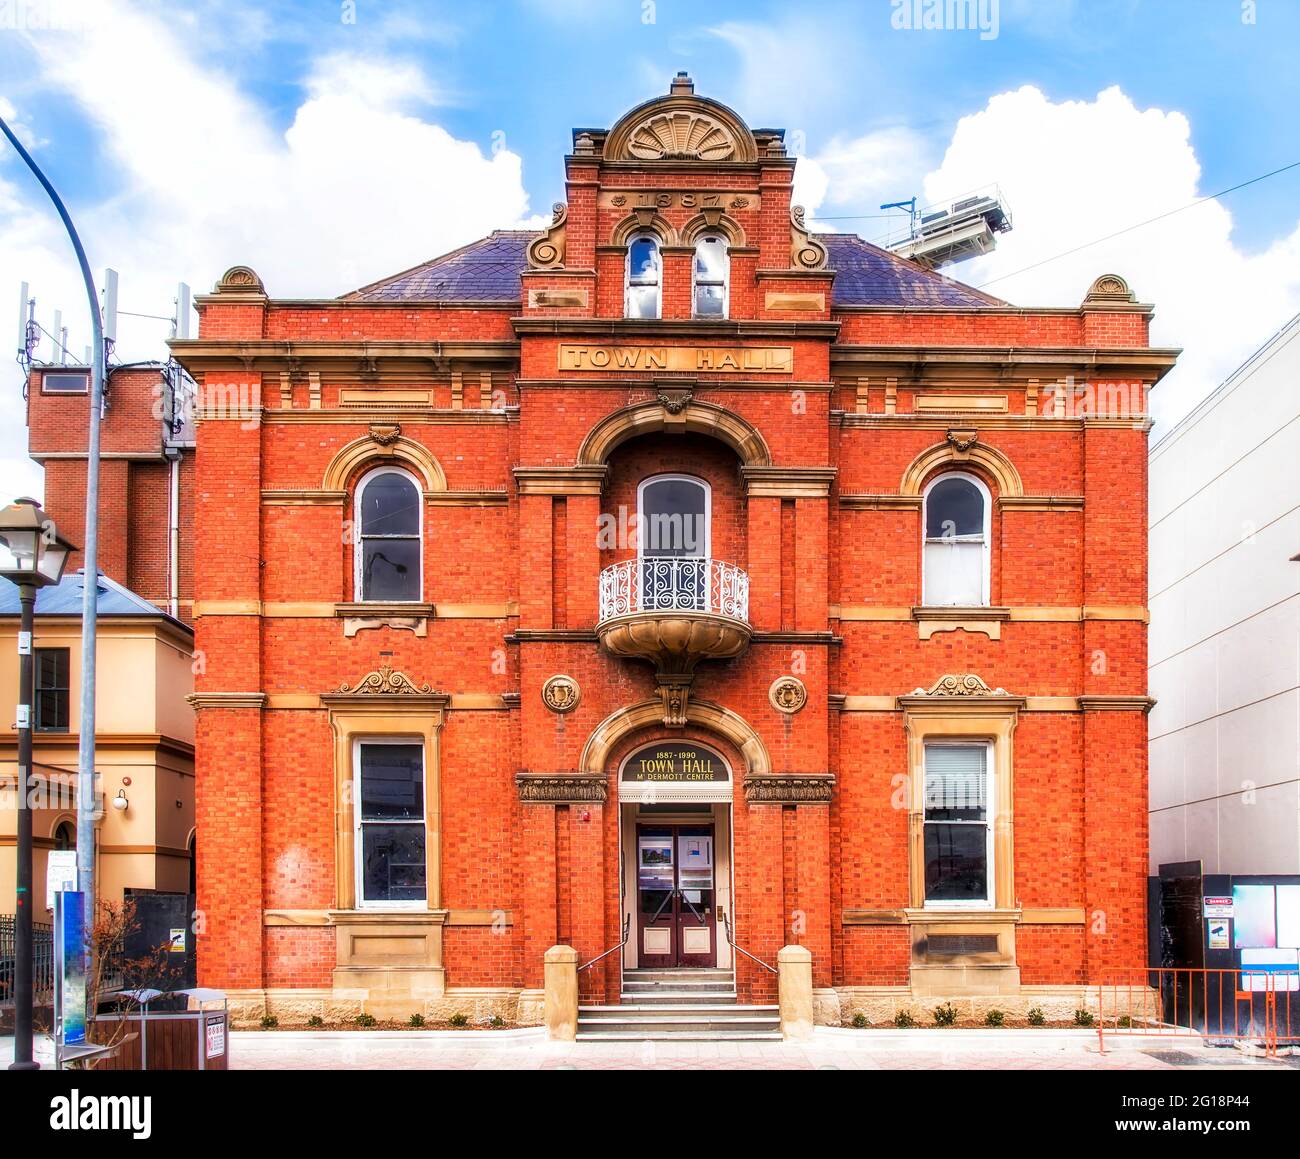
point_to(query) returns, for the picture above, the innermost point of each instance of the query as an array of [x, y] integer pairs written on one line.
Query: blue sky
[[327, 152]]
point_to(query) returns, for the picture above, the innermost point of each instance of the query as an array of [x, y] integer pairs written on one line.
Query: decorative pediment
[[239, 280], [962, 684], [681, 127], [385, 681], [547, 251], [806, 252], [1110, 288]]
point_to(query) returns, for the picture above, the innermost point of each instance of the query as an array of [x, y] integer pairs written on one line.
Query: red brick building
[[672, 575], [146, 472]]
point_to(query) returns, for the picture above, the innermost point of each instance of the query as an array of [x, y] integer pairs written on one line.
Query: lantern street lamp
[[32, 555]]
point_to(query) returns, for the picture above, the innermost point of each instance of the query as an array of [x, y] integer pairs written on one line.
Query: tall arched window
[[644, 270], [673, 542], [389, 550], [712, 266], [956, 566], [65, 836]]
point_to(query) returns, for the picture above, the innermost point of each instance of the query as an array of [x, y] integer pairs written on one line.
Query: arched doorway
[[675, 829]]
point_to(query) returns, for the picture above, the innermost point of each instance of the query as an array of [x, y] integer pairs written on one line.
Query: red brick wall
[[551, 872]]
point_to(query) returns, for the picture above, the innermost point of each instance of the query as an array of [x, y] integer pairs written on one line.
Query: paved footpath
[[828, 1050]]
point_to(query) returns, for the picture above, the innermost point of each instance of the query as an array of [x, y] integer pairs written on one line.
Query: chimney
[[682, 85]]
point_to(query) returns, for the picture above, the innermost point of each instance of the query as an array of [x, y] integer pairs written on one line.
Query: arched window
[[65, 836], [956, 566], [389, 551], [673, 542], [712, 266], [644, 270]]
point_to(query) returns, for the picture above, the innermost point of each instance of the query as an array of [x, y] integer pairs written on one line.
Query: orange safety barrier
[[1213, 1005]]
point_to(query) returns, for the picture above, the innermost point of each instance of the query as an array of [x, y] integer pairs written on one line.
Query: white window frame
[[990, 815], [669, 477], [986, 534], [627, 276], [358, 546], [358, 844], [726, 275]]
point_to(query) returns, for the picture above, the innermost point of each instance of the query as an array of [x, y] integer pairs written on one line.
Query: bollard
[[561, 982], [795, 992]]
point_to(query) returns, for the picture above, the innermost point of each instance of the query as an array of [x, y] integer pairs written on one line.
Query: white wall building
[[1225, 623]]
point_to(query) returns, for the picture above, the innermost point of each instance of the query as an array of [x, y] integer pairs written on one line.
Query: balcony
[[674, 612]]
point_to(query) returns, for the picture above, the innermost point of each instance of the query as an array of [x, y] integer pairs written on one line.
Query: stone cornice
[[202, 700], [790, 788], [561, 788], [266, 354], [669, 330], [789, 482], [1142, 704], [910, 360], [579, 480]]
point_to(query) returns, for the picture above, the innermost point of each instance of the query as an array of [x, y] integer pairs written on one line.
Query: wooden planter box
[[177, 1040]]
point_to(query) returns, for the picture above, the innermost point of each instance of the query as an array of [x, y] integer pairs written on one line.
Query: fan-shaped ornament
[[681, 136]]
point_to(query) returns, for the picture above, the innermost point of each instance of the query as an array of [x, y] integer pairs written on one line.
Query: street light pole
[[24, 1000], [32, 554], [89, 552]]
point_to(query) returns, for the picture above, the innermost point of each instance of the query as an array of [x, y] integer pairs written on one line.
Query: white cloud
[[359, 186], [1075, 171]]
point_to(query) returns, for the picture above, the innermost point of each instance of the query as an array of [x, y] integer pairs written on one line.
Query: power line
[[1139, 225]]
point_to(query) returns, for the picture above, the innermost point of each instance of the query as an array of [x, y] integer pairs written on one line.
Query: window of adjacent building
[[958, 824], [956, 566], [644, 272], [51, 706], [673, 533], [389, 515], [712, 265], [65, 382], [390, 823]]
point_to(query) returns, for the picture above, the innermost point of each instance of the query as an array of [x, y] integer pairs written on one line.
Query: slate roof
[[488, 270], [64, 599]]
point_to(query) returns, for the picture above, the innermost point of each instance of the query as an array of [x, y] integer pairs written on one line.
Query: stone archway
[[954, 454], [367, 450], [674, 417], [704, 714]]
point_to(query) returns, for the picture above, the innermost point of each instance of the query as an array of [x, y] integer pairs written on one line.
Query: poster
[[60, 873], [70, 967], [1218, 934], [1254, 917]]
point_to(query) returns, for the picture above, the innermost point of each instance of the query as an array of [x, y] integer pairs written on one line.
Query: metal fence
[[1247, 1006], [42, 958]]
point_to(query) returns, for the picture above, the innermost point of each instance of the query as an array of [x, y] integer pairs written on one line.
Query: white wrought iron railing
[[674, 584]]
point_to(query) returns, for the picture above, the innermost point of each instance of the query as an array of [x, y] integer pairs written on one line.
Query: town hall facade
[[676, 584]]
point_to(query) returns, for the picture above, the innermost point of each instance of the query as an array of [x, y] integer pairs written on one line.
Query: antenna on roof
[[953, 231], [110, 306], [181, 323]]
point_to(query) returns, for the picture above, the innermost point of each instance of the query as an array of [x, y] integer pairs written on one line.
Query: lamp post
[[32, 555]]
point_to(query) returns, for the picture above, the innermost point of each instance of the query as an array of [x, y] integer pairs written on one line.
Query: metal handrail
[[674, 584], [627, 926], [726, 923]]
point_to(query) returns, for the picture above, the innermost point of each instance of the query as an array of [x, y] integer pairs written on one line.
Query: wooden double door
[[676, 911]]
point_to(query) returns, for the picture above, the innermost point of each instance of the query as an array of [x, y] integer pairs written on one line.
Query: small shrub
[[860, 1021], [417, 1020], [995, 1018], [315, 1020], [496, 1021], [458, 1019], [1124, 1022], [945, 1015], [904, 1020], [1037, 1017], [365, 1019], [269, 1022], [1083, 1017]]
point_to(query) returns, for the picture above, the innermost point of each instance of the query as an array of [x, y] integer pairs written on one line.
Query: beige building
[[144, 750], [1225, 624]]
